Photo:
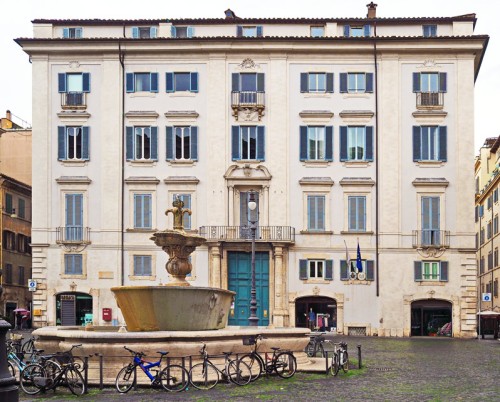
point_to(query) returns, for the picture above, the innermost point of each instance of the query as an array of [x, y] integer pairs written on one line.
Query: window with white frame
[[249, 31], [144, 32], [248, 143], [73, 143], [357, 213], [356, 82], [142, 265], [182, 32], [142, 82], [429, 143], [181, 81], [317, 31], [429, 30], [430, 221], [182, 143], [354, 31], [316, 143], [142, 143], [356, 143], [142, 211], [315, 212], [73, 33], [73, 230], [429, 82], [73, 264], [431, 271], [316, 269]]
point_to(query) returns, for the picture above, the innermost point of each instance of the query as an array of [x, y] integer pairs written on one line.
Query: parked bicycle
[[16, 363], [172, 378], [315, 345], [205, 375], [340, 359], [282, 362]]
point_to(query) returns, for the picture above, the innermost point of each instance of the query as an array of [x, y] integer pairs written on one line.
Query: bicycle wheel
[[203, 376], [125, 379], [29, 376], [28, 347], [310, 349], [285, 364], [75, 381], [254, 364], [174, 378], [335, 367], [345, 361], [12, 369], [322, 350], [238, 372], [52, 369]]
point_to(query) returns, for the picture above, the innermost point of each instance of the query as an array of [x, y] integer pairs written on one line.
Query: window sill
[[69, 276], [316, 232], [316, 163], [74, 163], [143, 163], [356, 282], [137, 230], [357, 164], [326, 95], [359, 232], [431, 283], [142, 278], [182, 162], [249, 161], [347, 95], [431, 164], [142, 94], [181, 94], [317, 281]]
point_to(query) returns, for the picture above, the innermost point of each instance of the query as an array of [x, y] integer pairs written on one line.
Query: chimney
[[8, 115], [372, 10]]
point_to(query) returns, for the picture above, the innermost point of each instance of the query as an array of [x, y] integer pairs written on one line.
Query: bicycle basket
[[249, 340], [64, 358]]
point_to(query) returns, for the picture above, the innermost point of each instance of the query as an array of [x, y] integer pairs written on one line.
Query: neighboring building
[[348, 129]]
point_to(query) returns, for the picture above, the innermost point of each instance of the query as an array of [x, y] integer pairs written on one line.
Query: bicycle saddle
[[162, 353]]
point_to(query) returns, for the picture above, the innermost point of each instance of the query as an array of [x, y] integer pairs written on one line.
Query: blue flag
[[359, 264]]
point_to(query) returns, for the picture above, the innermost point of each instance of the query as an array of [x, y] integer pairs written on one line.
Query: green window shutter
[[370, 270], [303, 269], [417, 271], [329, 270], [344, 274], [444, 271]]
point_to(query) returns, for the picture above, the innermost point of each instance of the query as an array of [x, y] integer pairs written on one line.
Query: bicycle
[[340, 359], [28, 346], [16, 364], [205, 375], [173, 378], [282, 362], [315, 345]]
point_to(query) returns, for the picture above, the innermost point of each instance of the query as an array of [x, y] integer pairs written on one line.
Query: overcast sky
[[15, 69]]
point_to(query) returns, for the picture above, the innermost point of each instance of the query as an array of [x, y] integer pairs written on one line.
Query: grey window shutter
[[370, 270], [86, 82], [329, 270], [303, 143], [169, 79], [416, 143], [154, 82], [153, 31], [239, 31], [61, 143], [366, 30], [417, 271], [347, 30], [260, 82], [194, 82], [369, 142], [173, 32], [190, 32], [235, 82], [303, 269], [61, 78], [343, 143], [235, 143], [85, 142], [304, 82], [444, 271], [130, 82], [154, 143], [259, 31], [261, 143], [135, 32], [343, 82], [416, 82], [344, 274], [170, 142], [130, 142], [369, 82], [329, 143], [443, 143], [194, 143], [442, 82], [329, 82]]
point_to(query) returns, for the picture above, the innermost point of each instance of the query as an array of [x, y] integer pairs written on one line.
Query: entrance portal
[[324, 307], [73, 308], [431, 318]]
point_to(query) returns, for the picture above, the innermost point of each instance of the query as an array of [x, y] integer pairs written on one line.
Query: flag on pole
[[346, 254], [359, 264]]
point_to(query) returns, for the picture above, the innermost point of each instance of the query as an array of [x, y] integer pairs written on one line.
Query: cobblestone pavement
[[415, 369]]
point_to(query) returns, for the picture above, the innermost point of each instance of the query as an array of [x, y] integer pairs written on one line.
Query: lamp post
[[253, 320]]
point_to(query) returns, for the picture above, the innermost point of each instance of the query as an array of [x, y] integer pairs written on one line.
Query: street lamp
[[253, 320]]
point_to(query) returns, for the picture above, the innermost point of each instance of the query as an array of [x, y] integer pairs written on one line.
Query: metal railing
[[73, 234], [430, 99], [247, 99], [74, 100], [431, 238], [243, 233]]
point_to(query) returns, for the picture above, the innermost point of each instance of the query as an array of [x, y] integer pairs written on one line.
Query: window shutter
[[194, 143], [481, 210], [169, 79], [416, 82], [85, 142], [444, 271], [173, 32], [239, 31], [369, 142], [303, 143], [86, 82], [261, 143], [304, 82], [61, 78], [154, 82], [329, 82], [190, 32], [170, 142], [130, 142], [370, 270], [61, 143], [442, 82], [259, 31], [343, 82], [154, 143], [366, 30], [260, 82], [343, 143], [369, 82], [443, 143], [153, 31], [65, 32], [352, 213], [433, 30], [347, 30], [78, 32], [8, 205], [344, 275], [329, 270], [426, 30], [194, 82], [130, 82], [78, 265], [235, 82], [417, 271], [302, 269], [416, 143], [137, 210], [329, 143], [235, 142], [147, 210], [476, 213], [135, 32]]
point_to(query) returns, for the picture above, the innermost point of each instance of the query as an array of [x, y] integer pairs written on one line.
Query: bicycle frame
[[146, 366]]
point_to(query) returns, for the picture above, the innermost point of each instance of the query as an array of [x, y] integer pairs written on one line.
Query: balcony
[[248, 102], [77, 235], [74, 100], [430, 100], [243, 233], [430, 238]]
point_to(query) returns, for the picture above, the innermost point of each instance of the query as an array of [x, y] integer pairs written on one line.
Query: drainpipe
[[122, 234], [377, 265]]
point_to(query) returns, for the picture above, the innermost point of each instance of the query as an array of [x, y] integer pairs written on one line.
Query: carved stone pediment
[[247, 172], [248, 64]]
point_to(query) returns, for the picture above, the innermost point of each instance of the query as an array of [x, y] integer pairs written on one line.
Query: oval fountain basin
[[173, 308]]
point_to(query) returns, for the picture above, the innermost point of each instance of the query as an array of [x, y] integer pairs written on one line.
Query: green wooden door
[[240, 281]]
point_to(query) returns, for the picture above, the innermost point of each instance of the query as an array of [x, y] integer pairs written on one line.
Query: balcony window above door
[[73, 88]]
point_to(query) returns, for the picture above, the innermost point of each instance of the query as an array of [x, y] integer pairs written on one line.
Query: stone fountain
[[207, 308]]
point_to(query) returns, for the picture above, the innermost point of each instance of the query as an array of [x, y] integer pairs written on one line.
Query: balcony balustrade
[[243, 233], [73, 235], [430, 100], [74, 100], [430, 238], [248, 102]]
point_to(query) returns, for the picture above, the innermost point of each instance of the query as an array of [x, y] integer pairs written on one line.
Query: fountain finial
[[178, 211]]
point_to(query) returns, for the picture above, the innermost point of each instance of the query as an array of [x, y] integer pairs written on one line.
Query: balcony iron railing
[[73, 234], [433, 100], [74, 100], [244, 233], [428, 238], [248, 101]]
